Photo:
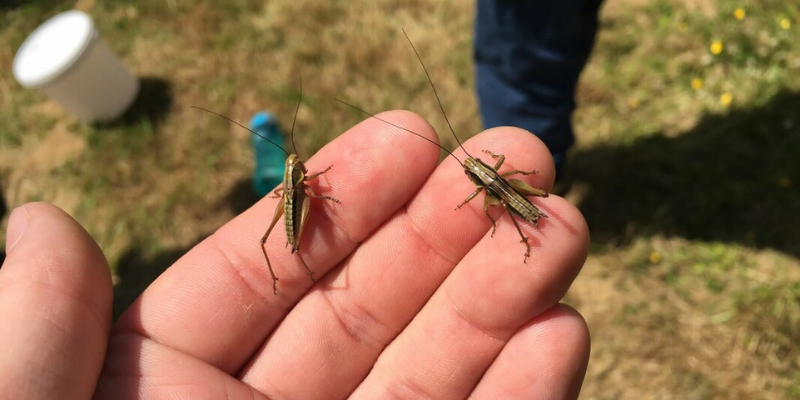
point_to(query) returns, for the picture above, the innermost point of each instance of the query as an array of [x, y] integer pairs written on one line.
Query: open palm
[[414, 299]]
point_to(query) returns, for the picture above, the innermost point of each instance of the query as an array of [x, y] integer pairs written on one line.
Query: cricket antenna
[[251, 131], [400, 127], [441, 107], [296, 110]]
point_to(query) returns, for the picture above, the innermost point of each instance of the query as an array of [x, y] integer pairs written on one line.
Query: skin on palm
[[410, 287]]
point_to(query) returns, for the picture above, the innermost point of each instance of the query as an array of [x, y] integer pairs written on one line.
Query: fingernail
[[17, 224]]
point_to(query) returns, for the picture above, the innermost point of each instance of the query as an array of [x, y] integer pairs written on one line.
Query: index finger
[[216, 303]]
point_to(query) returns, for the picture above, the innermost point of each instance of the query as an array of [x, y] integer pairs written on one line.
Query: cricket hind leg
[[523, 187], [296, 245], [275, 218], [308, 270], [519, 230], [519, 171], [526, 189]]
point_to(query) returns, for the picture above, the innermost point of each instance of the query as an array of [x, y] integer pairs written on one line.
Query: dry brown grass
[[649, 342]]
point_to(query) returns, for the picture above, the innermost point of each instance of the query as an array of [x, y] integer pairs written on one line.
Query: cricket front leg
[[275, 218], [470, 197], [277, 192], [314, 176], [500, 159]]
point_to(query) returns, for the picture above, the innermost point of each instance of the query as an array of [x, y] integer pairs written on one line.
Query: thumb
[[55, 306]]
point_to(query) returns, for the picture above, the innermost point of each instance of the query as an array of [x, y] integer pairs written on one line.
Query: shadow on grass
[[9, 5], [241, 196], [732, 178], [153, 103], [136, 136], [136, 269], [49, 5]]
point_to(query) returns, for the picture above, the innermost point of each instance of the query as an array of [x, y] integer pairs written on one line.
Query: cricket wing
[[516, 200]]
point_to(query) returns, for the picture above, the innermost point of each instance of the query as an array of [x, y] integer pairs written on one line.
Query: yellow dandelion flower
[[725, 99], [633, 102], [655, 257], [739, 14], [785, 24], [716, 47], [784, 182], [697, 83]]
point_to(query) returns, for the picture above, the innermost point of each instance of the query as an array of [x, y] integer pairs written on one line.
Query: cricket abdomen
[[292, 219], [526, 210], [293, 191]]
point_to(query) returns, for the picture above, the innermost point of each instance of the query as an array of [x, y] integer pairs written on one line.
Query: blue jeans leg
[[528, 56]]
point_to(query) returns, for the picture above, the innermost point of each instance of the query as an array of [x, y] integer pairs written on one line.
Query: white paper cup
[[66, 59]]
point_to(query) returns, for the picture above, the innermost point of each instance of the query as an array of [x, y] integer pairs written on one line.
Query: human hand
[[414, 299]]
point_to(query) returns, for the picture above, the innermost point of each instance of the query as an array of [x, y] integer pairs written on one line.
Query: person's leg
[[528, 56]]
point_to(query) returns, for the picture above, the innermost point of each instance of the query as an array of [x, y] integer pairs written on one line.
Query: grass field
[[686, 165]]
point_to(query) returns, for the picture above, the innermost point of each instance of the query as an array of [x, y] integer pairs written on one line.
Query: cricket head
[[295, 171], [478, 172]]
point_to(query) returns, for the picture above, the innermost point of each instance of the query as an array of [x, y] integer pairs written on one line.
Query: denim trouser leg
[[528, 56]]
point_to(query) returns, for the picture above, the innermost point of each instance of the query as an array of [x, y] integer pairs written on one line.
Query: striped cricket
[[295, 197], [501, 191]]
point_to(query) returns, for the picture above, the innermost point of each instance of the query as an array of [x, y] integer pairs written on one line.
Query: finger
[[216, 303], [545, 359], [489, 295], [362, 307], [55, 306], [163, 373]]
